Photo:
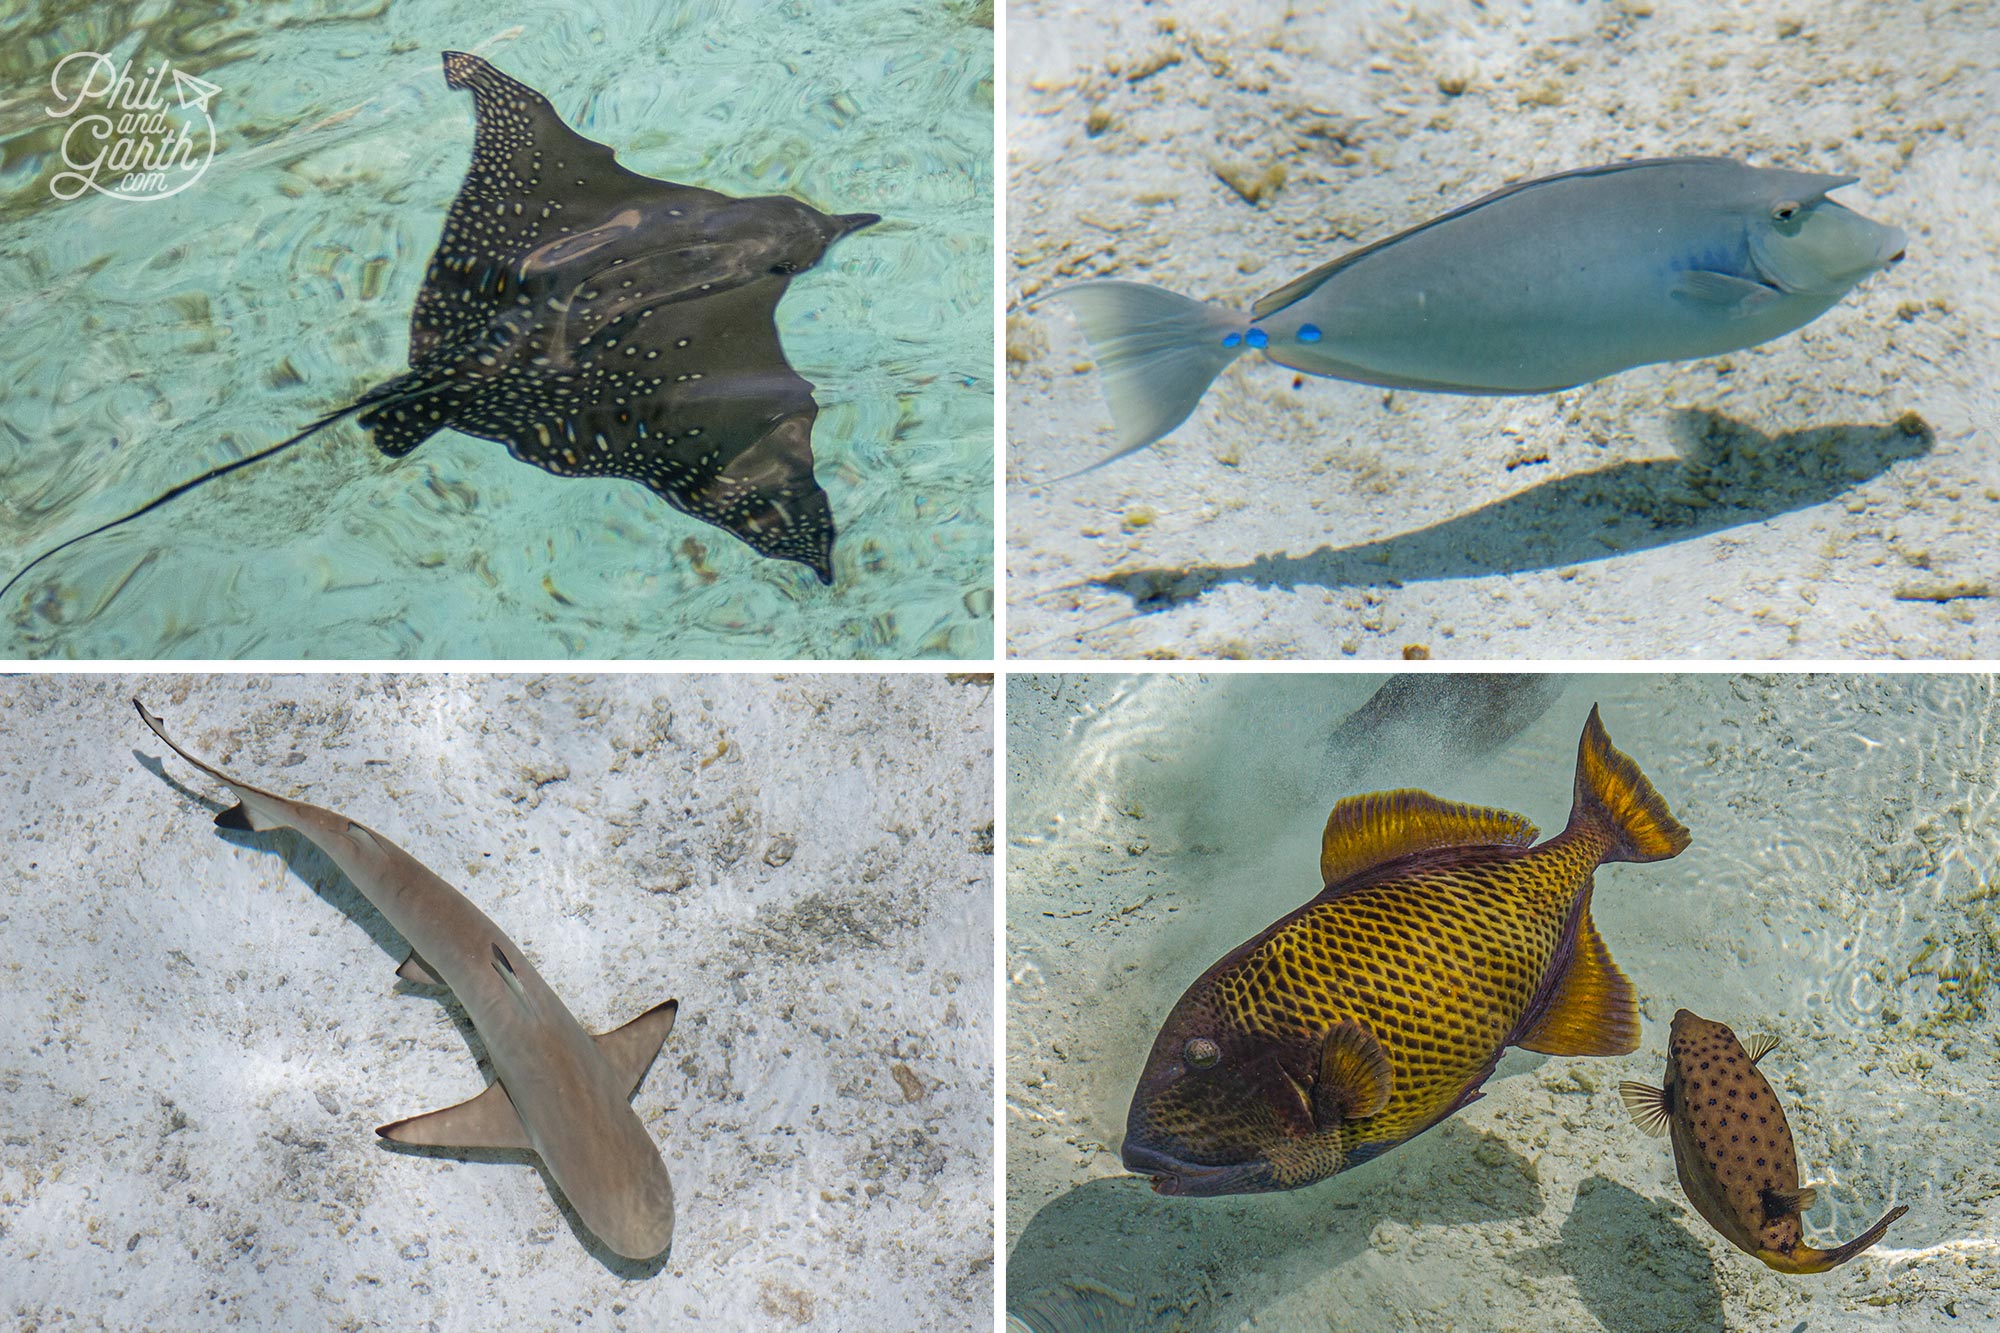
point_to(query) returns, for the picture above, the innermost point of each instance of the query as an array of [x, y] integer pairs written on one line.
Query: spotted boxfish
[[1542, 285], [1732, 1148], [600, 323], [1443, 935]]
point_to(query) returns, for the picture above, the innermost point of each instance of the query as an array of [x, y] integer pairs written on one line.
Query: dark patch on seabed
[[1730, 475], [1112, 1255]]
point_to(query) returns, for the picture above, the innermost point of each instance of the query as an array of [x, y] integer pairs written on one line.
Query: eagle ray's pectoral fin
[[631, 1048], [486, 1121]]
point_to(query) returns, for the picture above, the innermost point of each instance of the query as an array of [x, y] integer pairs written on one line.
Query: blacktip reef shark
[[557, 1091], [1541, 285], [600, 323]]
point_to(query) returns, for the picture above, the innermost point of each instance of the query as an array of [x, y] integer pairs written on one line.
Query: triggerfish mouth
[[1733, 1148], [1443, 934], [1539, 286]]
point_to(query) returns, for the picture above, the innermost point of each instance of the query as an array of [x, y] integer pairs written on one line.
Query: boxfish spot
[[1308, 333]]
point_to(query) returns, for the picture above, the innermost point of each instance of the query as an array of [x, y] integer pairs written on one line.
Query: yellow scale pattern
[[1440, 965]]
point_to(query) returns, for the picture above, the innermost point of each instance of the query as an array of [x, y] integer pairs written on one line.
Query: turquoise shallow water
[[1839, 894], [146, 342]]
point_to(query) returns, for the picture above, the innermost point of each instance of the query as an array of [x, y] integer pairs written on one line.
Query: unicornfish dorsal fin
[[487, 1121], [1366, 831], [630, 1049], [1354, 1076], [1592, 1010]]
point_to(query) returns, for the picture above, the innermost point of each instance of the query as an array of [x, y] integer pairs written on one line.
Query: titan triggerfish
[[1732, 1148], [1442, 936]]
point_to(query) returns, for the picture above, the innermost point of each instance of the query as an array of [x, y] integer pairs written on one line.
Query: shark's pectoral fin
[[246, 820], [414, 971], [631, 1049], [487, 1121]]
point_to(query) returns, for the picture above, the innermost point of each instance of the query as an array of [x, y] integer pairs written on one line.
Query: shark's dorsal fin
[[414, 971], [487, 1121], [631, 1049]]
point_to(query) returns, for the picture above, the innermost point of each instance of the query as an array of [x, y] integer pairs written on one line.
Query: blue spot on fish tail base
[[1308, 333], [1232, 340], [1257, 338]]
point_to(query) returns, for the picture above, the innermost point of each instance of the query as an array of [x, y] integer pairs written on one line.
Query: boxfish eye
[[1201, 1052], [1785, 211]]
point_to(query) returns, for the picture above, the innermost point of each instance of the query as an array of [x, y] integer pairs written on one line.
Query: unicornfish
[[1443, 934], [1538, 286], [600, 323], [1733, 1148], [558, 1092]]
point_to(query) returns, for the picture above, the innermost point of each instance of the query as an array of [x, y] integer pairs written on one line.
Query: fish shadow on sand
[[1729, 475], [1112, 1255], [318, 872], [1636, 1267]]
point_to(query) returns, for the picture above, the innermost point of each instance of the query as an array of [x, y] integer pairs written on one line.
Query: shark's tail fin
[[1157, 353], [181, 490]]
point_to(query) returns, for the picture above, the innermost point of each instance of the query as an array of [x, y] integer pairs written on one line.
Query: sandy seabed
[[1835, 493], [205, 1028], [1839, 894]]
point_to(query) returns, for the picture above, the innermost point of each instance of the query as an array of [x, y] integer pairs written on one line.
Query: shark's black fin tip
[[236, 817]]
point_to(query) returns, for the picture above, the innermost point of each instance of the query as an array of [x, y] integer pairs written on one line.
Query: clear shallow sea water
[[144, 343], [1840, 893]]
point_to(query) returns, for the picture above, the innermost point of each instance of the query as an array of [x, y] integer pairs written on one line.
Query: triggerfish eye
[[1201, 1052]]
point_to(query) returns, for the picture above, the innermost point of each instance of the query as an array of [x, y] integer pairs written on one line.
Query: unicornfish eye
[[1785, 211], [1201, 1052]]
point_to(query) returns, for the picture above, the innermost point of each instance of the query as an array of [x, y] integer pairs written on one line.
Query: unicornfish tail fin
[[486, 1121], [1805, 1259], [1614, 800], [631, 1048], [1157, 353], [258, 810]]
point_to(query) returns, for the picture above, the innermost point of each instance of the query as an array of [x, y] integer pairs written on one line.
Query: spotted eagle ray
[[557, 1091], [600, 323]]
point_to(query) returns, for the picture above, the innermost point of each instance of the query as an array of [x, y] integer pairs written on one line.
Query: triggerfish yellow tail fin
[[1805, 1259], [1614, 798], [1592, 1009]]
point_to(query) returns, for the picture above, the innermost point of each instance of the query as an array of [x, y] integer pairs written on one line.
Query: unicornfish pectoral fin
[[487, 1121], [1650, 1107], [1723, 293], [1366, 831], [1593, 1010], [631, 1048], [1354, 1076], [1805, 1259]]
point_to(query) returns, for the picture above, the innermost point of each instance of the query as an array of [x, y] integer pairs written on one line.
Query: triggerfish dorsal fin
[[1367, 831], [1354, 1076], [1614, 799], [1592, 1010]]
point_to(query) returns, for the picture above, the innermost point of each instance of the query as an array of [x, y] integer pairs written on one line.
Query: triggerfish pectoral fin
[[1805, 1259], [1354, 1076]]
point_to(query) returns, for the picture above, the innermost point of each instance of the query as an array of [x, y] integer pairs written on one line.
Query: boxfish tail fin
[[1614, 800], [1157, 353], [1805, 1259]]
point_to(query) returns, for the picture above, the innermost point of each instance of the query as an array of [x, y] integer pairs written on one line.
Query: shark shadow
[[1730, 475], [1112, 1255]]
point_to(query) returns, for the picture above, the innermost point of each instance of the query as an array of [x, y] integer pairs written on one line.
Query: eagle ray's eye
[[1201, 1052]]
